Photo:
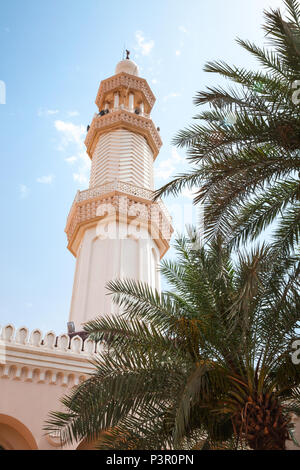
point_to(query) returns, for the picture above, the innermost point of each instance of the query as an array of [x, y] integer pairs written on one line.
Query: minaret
[[114, 228]]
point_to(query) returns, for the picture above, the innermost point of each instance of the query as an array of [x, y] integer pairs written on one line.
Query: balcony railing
[[122, 187]]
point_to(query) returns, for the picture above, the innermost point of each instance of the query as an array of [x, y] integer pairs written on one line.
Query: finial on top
[[127, 54]]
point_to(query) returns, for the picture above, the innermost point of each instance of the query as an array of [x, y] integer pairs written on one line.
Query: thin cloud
[[46, 179], [81, 178], [24, 191], [176, 157], [189, 193], [70, 133], [167, 168], [164, 170], [144, 47], [72, 139], [47, 112], [178, 52], [170, 96], [73, 113], [71, 160], [183, 29]]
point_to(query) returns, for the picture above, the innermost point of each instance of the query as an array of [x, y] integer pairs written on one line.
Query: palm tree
[[245, 149], [205, 365]]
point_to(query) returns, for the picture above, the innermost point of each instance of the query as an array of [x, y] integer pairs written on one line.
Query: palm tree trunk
[[262, 424]]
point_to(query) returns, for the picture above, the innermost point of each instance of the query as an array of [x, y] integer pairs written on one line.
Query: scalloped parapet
[[31, 356], [49, 341]]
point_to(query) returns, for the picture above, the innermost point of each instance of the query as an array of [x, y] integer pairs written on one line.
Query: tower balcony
[[119, 202], [123, 118]]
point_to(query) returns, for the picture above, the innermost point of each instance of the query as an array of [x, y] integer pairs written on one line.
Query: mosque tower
[[114, 228]]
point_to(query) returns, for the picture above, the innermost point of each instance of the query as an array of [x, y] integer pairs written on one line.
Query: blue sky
[[54, 53]]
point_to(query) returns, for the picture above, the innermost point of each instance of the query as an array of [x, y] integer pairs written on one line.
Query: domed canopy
[[127, 66]]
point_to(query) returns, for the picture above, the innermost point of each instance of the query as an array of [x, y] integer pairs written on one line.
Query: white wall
[[101, 259]]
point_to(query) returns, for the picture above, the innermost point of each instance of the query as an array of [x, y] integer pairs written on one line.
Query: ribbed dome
[[127, 66]]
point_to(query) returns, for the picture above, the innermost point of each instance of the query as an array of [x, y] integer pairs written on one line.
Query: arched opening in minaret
[[131, 102], [154, 270], [116, 100]]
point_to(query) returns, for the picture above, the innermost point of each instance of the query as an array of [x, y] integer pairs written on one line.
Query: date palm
[[206, 364], [245, 148]]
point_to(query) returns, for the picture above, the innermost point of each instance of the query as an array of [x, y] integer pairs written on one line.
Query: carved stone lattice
[[125, 200], [128, 81]]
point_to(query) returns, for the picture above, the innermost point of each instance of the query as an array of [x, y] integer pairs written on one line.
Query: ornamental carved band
[[125, 119], [15, 371], [116, 206], [127, 81]]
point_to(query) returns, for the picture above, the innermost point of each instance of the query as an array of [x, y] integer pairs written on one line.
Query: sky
[[54, 54]]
